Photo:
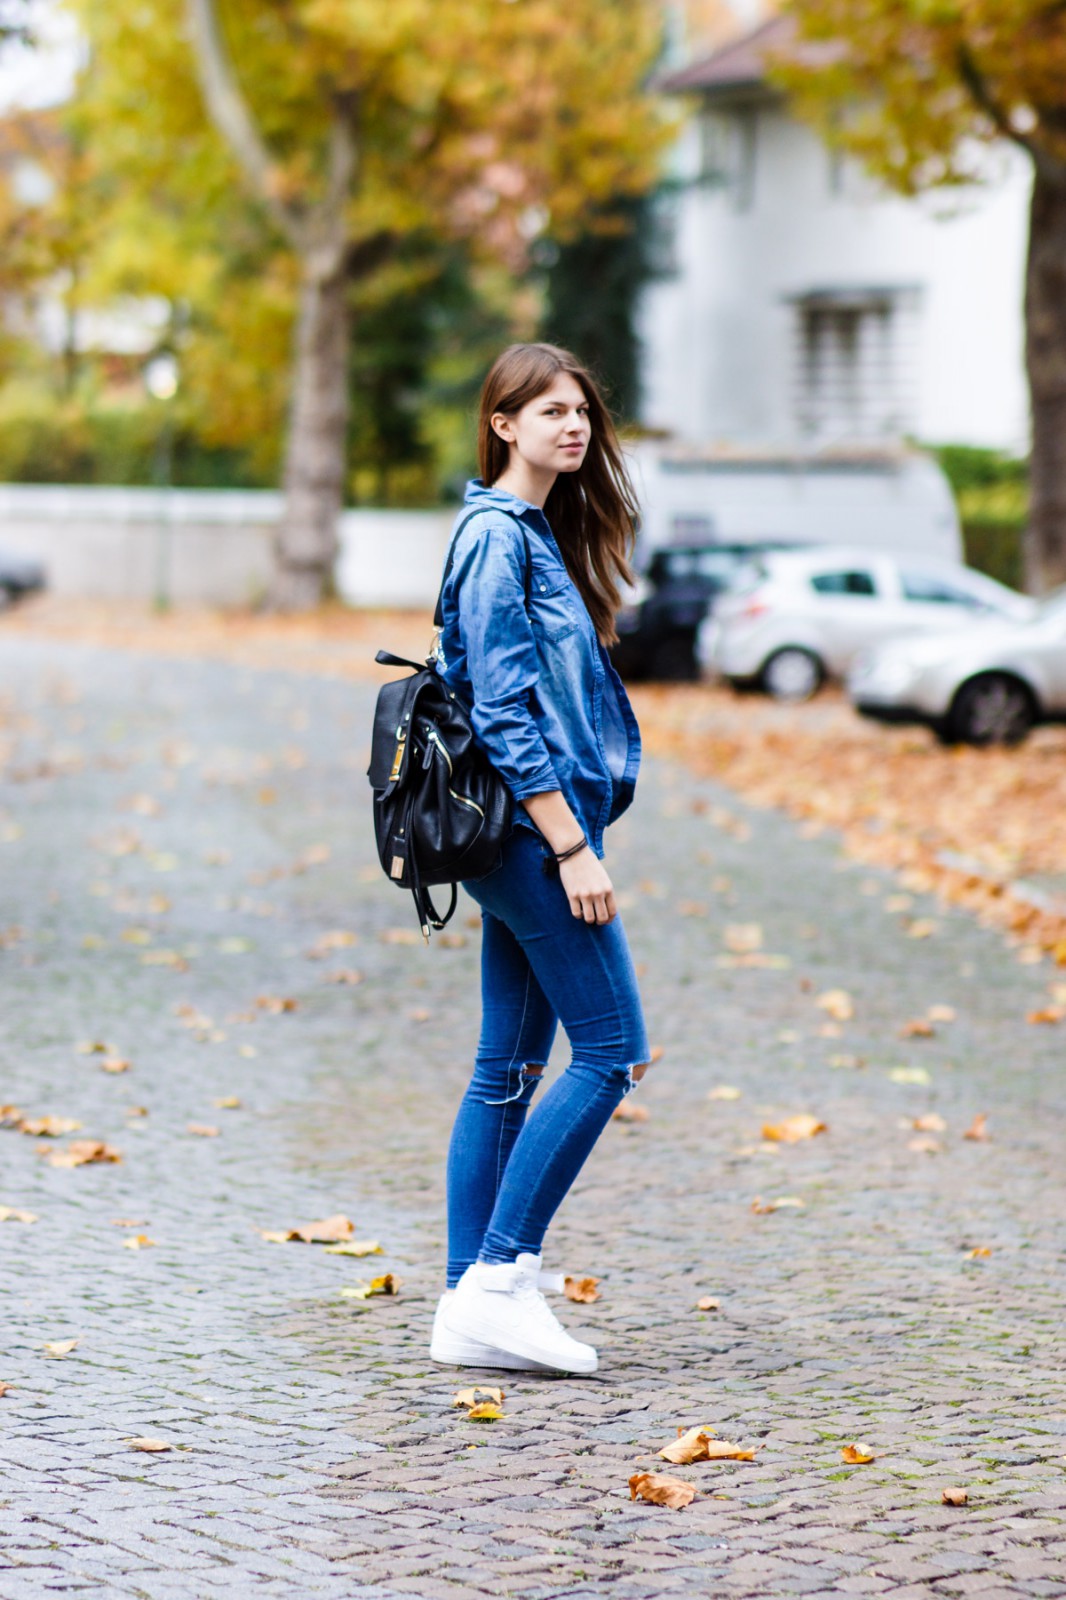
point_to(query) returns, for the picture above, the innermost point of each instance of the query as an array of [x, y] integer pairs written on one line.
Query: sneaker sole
[[468, 1353], [583, 1366]]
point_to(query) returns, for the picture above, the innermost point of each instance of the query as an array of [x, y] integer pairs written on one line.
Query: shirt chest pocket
[[554, 603]]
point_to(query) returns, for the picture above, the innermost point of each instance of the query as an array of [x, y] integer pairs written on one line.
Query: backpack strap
[[438, 614]]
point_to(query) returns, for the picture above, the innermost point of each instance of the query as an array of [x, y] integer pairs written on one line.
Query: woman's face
[[552, 432]]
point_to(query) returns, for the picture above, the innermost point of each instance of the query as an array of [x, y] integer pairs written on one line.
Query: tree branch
[[976, 82], [232, 116]]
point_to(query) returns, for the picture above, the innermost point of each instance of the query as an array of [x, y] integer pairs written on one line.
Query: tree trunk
[[1045, 315], [316, 446]]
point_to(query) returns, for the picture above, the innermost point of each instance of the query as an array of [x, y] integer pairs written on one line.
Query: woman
[[527, 610]]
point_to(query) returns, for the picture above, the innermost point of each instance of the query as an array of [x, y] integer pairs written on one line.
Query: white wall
[[208, 546], [718, 338]]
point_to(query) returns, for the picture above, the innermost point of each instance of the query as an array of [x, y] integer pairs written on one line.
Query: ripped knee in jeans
[[529, 1075]]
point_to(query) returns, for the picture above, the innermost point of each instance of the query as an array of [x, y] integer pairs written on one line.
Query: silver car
[[796, 617], [986, 684]]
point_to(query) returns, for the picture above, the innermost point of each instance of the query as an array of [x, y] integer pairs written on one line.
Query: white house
[[801, 305]]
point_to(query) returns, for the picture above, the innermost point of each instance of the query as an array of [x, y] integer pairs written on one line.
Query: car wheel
[[792, 674], [992, 709], [674, 660]]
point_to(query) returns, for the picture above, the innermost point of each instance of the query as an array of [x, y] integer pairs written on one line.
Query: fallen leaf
[[4, 1387], [248, 1051], [801, 1126], [921, 928], [420, 1014], [48, 1127], [484, 1412], [909, 1075], [627, 1111], [129, 1222], [10, 1116], [743, 937], [138, 1241], [275, 1235], [925, 1144], [847, 1061], [931, 1122], [898, 902], [330, 1230], [857, 1457], [583, 1291], [227, 1102], [659, 1490], [343, 975], [692, 908], [976, 1130], [941, 1013], [91, 1047], [150, 1447], [60, 1347], [724, 1091], [723, 1450], [115, 1064], [341, 939], [275, 1004], [15, 1214], [386, 1284], [979, 1252], [136, 1111], [202, 1130], [918, 1028], [690, 1445], [707, 1303], [82, 1153], [763, 1207], [397, 936], [953, 1497], [474, 1397], [234, 945], [1049, 1014], [455, 941], [836, 1003], [353, 1247]]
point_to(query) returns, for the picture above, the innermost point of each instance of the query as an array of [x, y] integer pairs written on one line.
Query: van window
[[844, 583], [923, 586]]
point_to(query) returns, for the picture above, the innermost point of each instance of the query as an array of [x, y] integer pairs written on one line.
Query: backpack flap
[[392, 724]]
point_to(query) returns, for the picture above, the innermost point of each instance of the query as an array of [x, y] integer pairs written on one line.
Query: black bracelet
[[564, 855]]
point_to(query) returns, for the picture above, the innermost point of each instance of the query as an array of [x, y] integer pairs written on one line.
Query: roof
[[742, 64]]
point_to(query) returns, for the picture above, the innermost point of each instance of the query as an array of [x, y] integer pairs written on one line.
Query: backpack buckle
[[397, 760]]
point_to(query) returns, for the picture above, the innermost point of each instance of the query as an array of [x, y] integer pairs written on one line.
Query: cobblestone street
[[181, 838]]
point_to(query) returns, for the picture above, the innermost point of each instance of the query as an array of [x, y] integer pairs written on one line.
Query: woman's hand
[[588, 888]]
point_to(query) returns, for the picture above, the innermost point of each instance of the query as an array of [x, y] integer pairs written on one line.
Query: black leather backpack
[[441, 810]]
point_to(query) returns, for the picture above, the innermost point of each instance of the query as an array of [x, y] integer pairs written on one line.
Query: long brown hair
[[592, 511]]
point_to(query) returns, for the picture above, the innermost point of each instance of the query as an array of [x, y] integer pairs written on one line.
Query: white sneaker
[[502, 1306], [455, 1350]]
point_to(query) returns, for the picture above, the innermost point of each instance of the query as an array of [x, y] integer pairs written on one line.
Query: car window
[[924, 586], [861, 583]]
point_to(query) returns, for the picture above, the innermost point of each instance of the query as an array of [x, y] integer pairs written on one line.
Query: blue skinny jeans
[[510, 1168]]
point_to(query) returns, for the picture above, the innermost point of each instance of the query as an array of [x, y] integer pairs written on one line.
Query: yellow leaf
[[15, 1214], [724, 1091], [660, 1490], [484, 1413], [763, 1207], [227, 1102], [979, 1253], [275, 1004], [82, 1153], [584, 1291], [908, 1075], [857, 1457], [836, 1003], [202, 1130], [921, 928], [1048, 1014], [801, 1126], [48, 1127], [941, 1013], [743, 937], [149, 1446], [60, 1347], [115, 1064], [473, 1397], [138, 1241], [353, 1247], [330, 1230]]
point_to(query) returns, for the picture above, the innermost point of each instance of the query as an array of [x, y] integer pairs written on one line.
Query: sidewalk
[[177, 834]]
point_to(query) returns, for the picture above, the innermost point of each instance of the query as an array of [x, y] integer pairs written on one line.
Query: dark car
[[657, 630], [19, 575]]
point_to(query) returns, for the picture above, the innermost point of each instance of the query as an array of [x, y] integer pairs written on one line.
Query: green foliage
[[593, 286], [991, 491]]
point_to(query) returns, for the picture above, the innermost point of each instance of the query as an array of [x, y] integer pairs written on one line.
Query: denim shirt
[[547, 706]]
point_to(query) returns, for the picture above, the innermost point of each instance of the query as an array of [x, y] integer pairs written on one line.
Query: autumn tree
[[914, 90], [344, 128]]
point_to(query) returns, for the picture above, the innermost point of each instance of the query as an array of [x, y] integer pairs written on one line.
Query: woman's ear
[[501, 424]]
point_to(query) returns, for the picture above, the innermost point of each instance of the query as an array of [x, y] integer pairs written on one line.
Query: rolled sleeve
[[488, 586]]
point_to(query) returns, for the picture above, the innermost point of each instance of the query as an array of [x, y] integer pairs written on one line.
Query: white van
[[891, 500]]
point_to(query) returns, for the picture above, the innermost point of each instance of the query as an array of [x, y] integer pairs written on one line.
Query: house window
[[854, 364], [728, 150]]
